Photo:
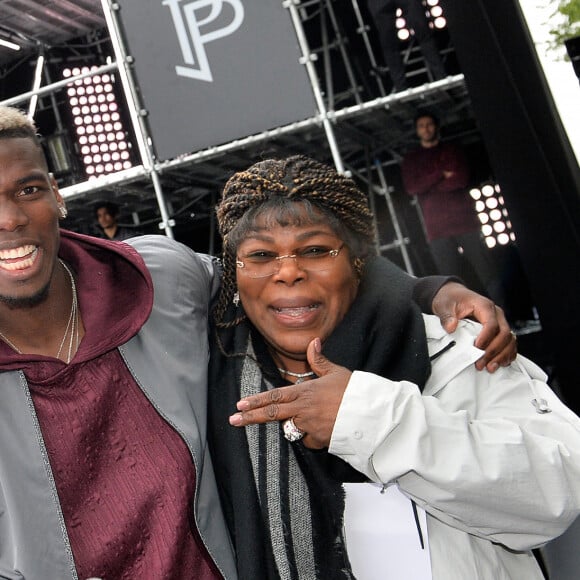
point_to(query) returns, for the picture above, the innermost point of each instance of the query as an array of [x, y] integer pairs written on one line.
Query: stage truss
[[359, 125]]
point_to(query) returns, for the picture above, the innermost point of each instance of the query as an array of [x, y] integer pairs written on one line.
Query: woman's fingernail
[[493, 367], [236, 419], [242, 405]]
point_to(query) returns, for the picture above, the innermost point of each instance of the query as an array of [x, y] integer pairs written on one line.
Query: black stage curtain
[[534, 163]]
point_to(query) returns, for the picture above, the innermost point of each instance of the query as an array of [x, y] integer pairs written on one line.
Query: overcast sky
[[564, 83]]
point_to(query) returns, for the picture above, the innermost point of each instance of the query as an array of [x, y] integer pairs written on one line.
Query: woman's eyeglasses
[[263, 264]]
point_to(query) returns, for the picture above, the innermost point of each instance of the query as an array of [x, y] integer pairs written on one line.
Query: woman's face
[[296, 304]]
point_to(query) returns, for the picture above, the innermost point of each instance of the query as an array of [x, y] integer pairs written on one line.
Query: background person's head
[[278, 195], [427, 129], [30, 210], [106, 213]]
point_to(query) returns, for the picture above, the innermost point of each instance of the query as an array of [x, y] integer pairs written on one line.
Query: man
[[437, 174], [104, 468], [106, 214]]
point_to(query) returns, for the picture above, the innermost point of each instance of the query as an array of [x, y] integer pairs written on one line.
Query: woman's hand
[[313, 405], [454, 301]]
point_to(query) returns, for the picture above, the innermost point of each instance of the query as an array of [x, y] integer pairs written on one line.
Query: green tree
[[569, 25]]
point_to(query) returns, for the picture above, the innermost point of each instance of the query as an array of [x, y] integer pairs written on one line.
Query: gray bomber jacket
[[168, 359]]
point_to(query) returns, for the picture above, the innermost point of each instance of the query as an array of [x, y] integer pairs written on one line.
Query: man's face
[[105, 219], [29, 233], [426, 130]]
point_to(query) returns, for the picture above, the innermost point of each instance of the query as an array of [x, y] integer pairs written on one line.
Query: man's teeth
[[18, 258]]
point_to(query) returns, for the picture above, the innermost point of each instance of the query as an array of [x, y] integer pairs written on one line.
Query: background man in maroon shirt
[[437, 173]]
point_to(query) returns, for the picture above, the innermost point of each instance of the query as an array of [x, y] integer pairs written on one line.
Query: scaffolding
[[356, 119]]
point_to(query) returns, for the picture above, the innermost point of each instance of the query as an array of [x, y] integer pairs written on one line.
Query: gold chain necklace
[[72, 324]]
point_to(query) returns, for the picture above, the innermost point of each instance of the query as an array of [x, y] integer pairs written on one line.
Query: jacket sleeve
[[474, 452]]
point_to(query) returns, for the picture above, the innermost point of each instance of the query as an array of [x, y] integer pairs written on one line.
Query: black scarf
[[383, 333]]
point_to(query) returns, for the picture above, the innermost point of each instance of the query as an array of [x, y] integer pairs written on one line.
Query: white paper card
[[381, 534]]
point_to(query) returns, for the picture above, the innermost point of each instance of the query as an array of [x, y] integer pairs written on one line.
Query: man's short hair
[[112, 208], [429, 114], [15, 124]]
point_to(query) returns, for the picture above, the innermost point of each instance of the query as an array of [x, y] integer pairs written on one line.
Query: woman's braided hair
[[271, 188]]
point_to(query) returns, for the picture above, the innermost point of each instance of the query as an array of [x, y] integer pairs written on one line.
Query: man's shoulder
[[155, 242], [158, 243], [171, 262], [161, 250]]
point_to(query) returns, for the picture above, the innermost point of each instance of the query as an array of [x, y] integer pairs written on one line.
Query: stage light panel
[[433, 13], [97, 121]]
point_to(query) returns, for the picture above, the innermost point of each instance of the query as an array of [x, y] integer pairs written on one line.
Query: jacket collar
[[447, 359]]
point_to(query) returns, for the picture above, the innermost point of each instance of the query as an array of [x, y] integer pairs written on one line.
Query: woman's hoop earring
[[62, 211]]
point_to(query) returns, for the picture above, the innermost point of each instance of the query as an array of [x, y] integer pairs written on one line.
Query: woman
[[299, 268]]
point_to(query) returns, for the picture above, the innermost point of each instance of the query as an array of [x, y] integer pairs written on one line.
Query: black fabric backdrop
[[534, 163]]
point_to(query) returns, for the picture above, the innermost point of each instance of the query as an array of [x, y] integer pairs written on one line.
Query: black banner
[[211, 71]]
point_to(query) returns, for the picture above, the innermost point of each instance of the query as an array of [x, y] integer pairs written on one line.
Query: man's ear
[[62, 211], [55, 190]]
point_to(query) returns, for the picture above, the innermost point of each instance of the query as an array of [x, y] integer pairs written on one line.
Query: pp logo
[[189, 19]]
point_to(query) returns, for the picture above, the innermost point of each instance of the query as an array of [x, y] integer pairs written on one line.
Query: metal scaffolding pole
[[363, 30], [400, 241], [307, 60], [39, 69], [53, 87], [327, 62], [111, 8], [343, 52]]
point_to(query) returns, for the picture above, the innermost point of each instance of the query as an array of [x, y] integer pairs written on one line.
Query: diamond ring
[[291, 432]]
